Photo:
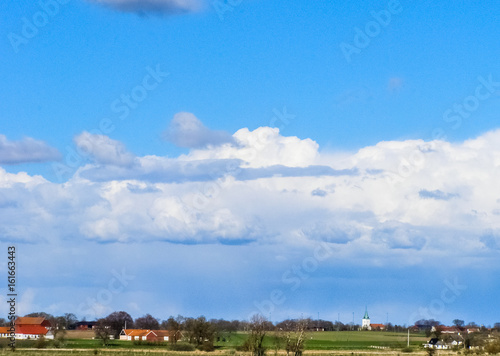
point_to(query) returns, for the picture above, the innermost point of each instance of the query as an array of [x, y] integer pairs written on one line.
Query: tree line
[[202, 333]]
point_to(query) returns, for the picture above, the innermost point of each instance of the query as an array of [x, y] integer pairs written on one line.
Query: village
[[203, 334]]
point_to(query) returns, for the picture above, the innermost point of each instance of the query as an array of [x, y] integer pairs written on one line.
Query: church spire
[[366, 314]]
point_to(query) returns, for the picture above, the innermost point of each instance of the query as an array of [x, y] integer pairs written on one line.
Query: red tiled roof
[[161, 333], [136, 332], [146, 332], [31, 329], [4, 330], [377, 326]]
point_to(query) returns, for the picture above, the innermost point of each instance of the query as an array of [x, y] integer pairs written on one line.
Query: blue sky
[[215, 149]]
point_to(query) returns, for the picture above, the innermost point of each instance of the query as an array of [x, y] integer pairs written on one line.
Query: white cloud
[[186, 130], [154, 6], [383, 200], [27, 150], [103, 150], [263, 147]]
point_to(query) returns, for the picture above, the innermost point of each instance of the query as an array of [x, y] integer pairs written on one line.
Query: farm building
[[144, 335], [85, 325], [435, 343], [29, 328]]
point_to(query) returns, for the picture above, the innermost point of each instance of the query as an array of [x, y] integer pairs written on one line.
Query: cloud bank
[[27, 150], [264, 188]]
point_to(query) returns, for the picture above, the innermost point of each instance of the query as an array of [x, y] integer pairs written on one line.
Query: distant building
[[85, 325], [435, 343], [377, 326], [446, 329], [29, 328], [144, 335], [365, 324]]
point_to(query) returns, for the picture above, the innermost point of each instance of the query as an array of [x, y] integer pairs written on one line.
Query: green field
[[345, 340], [328, 340]]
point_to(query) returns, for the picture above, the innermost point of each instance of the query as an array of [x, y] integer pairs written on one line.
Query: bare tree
[[175, 327], [258, 328], [147, 322], [116, 322], [200, 333], [295, 336], [70, 320], [102, 331]]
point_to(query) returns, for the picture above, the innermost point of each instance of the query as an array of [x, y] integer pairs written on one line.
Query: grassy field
[[345, 340], [360, 340], [216, 353], [326, 343]]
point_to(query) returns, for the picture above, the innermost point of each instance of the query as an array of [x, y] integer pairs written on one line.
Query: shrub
[[41, 343], [493, 347], [182, 347], [206, 346]]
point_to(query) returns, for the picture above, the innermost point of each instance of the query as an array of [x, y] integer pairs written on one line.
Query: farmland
[[317, 343]]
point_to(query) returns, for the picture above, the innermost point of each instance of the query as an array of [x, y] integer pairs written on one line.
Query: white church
[[366, 325]]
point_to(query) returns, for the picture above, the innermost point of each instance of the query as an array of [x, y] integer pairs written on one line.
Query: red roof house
[[32, 328], [377, 326], [144, 335]]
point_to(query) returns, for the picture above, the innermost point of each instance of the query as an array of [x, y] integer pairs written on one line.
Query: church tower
[[366, 321]]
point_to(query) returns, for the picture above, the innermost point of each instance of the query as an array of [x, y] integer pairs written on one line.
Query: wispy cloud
[[27, 150], [186, 130], [103, 150], [167, 7], [395, 84]]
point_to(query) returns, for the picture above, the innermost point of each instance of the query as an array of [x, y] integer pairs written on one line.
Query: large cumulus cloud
[[260, 187]]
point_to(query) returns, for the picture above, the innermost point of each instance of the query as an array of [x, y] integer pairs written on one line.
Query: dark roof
[[25, 320], [86, 323]]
